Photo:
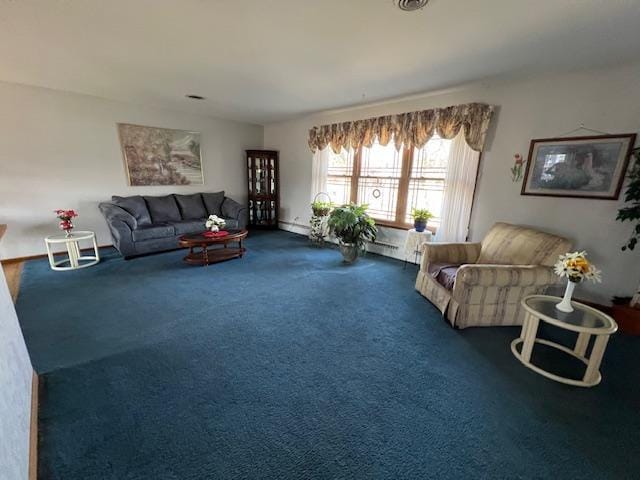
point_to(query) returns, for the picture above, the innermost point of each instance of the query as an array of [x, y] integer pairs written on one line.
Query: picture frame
[[160, 156], [579, 167]]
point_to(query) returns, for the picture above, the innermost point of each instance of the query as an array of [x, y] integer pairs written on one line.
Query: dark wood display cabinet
[[264, 191]]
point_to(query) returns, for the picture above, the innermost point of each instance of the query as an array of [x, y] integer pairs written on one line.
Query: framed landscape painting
[[160, 156], [583, 167]]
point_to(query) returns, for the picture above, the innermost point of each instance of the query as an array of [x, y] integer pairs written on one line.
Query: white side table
[[413, 244], [75, 259], [584, 320]]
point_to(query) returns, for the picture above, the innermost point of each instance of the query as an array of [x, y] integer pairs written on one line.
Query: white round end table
[[584, 320], [413, 243], [74, 258]]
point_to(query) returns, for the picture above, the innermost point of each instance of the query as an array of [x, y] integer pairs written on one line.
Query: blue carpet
[[288, 364]]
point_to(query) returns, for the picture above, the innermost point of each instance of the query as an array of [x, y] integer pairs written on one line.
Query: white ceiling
[[266, 60]]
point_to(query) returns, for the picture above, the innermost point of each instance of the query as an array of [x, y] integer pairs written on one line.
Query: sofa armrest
[[232, 209], [504, 276], [455, 253], [113, 212], [121, 225]]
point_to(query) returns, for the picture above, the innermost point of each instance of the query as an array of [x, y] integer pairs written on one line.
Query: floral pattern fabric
[[412, 129]]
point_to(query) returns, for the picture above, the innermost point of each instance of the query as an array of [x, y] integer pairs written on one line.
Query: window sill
[[400, 226]]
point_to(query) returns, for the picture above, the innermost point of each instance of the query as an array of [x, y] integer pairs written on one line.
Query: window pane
[[381, 194], [379, 161], [430, 161], [428, 171], [341, 163], [425, 194], [339, 189]]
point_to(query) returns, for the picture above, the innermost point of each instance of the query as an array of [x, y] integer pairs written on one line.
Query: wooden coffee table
[[200, 252]]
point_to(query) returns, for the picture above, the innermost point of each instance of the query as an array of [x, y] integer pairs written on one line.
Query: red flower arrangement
[[65, 217]]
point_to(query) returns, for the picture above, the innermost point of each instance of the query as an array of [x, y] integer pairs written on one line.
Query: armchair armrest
[[455, 253], [504, 276], [232, 209]]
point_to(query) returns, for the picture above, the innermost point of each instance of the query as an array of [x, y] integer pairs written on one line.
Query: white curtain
[[319, 171], [459, 185]]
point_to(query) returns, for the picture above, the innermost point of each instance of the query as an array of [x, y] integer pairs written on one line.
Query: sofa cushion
[[191, 206], [507, 244], [134, 205], [230, 223], [444, 273], [213, 202], [189, 226], [163, 209], [148, 232]]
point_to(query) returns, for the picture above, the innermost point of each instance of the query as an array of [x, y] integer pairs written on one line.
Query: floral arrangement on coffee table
[[65, 217], [576, 268], [215, 223]]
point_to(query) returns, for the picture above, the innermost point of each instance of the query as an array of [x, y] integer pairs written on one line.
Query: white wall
[[61, 150], [15, 392], [540, 107]]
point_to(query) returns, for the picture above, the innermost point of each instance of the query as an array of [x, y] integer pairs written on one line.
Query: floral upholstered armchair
[[481, 284]]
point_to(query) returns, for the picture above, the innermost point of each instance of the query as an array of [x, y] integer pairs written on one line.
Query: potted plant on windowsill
[[353, 227], [626, 310], [420, 218]]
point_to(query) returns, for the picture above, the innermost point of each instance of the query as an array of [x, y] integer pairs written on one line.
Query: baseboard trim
[[44, 255], [33, 428]]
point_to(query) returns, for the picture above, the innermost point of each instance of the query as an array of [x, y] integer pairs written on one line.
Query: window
[[339, 176], [391, 181]]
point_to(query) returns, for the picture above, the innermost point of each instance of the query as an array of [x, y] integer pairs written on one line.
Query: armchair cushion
[[213, 203], [507, 244], [444, 273], [134, 205], [163, 209], [191, 206]]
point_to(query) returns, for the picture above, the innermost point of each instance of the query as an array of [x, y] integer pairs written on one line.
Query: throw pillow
[[163, 209], [191, 206], [213, 202], [134, 205]]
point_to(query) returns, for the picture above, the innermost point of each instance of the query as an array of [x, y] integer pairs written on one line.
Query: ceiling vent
[[411, 5], [194, 97]]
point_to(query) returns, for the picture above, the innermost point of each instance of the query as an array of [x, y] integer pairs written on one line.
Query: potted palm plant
[[626, 310], [420, 218], [353, 227]]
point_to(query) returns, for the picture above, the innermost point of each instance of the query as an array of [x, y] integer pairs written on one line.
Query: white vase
[[565, 304]]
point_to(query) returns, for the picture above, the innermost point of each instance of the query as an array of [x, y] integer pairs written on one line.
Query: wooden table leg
[[205, 254]]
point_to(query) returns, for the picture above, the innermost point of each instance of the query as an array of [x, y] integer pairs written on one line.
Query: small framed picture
[[582, 167]]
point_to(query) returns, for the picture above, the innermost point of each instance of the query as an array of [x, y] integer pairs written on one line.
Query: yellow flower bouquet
[[576, 268]]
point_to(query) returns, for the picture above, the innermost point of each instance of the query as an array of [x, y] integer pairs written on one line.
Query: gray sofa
[[141, 225]]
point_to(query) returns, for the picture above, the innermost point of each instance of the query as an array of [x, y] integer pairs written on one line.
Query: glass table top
[[582, 316], [75, 235]]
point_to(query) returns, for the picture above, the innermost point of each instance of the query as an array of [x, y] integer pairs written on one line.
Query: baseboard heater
[[292, 224], [385, 245], [377, 242]]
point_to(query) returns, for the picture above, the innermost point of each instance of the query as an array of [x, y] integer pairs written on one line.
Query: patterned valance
[[412, 129]]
